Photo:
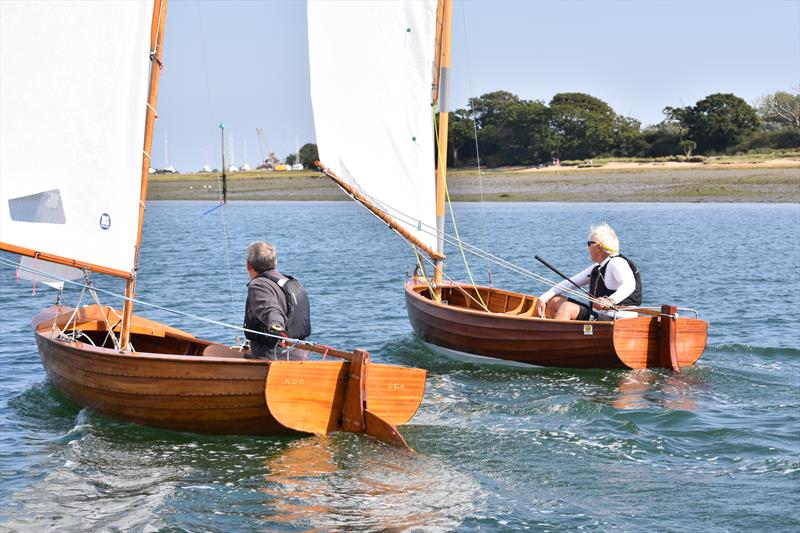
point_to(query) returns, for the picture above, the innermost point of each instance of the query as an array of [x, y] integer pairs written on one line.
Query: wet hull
[[506, 334], [203, 387]]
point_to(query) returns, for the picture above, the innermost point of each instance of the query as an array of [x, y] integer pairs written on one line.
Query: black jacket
[[266, 305]]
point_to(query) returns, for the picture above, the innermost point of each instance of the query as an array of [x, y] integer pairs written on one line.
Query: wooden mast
[[443, 57], [156, 41]]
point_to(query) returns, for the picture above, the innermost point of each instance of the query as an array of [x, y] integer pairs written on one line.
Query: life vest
[[598, 287], [298, 312], [298, 315]]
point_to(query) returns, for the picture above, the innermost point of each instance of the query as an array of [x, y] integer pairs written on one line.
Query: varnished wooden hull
[[507, 335], [202, 387]]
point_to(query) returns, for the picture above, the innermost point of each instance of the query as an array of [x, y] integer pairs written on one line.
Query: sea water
[[715, 447]]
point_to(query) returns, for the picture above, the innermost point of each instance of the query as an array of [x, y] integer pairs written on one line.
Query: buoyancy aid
[[298, 315], [598, 287]]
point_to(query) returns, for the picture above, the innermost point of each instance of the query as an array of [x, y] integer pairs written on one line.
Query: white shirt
[[618, 277]]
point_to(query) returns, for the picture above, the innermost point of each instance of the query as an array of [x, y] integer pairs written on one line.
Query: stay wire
[[198, 318], [210, 108], [442, 160], [456, 241], [471, 102]]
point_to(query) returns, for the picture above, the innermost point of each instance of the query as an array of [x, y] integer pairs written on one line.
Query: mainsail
[[73, 90], [372, 69]]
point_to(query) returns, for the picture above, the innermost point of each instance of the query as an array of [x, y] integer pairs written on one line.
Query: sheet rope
[[457, 241], [84, 286]]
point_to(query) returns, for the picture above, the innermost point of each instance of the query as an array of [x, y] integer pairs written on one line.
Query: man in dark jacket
[[266, 309]]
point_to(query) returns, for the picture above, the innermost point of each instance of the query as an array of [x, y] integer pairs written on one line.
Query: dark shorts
[[586, 312]]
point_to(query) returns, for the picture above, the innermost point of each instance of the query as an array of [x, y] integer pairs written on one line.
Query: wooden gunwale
[[200, 393], [625, 343], [180, 393], [521, 339]]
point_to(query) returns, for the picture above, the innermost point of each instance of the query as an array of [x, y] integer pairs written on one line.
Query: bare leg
[[561, 309], [553, 304]]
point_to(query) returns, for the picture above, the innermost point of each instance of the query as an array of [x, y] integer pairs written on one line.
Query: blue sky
[[245, 63]]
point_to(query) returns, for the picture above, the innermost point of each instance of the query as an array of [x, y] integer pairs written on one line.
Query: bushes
[[782, 138]]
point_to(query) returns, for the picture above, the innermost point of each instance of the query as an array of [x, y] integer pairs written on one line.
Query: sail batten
[[73, 90], [371, 77]]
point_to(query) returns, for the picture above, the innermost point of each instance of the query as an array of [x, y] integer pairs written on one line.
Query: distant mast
[[224, 178]]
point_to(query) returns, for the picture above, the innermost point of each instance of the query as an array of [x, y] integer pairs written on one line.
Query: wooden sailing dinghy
[[378, 145], [85, 76]]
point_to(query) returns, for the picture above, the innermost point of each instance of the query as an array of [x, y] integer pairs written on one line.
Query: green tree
[[716, 122], [780, 108], [460, 137], [309, 155], [687, 146], [662, 139], [496, 115], [628, 138], [583, 126], [291, 159]]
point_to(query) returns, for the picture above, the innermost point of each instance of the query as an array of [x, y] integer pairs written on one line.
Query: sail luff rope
[[210, 108]]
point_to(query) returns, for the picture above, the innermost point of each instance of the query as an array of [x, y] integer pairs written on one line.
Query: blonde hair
[[261, 256], [605, 236]]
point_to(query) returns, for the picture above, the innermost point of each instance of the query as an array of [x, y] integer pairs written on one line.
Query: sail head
[[371, 75]]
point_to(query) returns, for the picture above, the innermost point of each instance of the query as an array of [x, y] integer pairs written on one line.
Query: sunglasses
[[590, 243]]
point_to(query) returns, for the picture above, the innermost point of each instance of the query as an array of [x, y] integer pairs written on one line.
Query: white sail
[[73, 95], [51, 274], [371, 78]]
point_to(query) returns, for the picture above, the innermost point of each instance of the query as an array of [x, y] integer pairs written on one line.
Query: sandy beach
[[770, 181]]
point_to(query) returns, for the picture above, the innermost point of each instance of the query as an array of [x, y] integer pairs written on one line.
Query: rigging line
[[210, 108], [450, 239], [443, 161], [424, 275], [451, 280], [198, 318], [154, 51], [456, 240], [471, 102]]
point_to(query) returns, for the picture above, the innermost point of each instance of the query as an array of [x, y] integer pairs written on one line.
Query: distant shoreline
[[732, 181]]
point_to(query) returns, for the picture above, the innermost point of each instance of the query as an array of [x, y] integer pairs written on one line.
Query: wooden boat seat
[[517, 309], [219, 350], [530, 301]]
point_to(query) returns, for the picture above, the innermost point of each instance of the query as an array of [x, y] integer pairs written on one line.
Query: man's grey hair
[[606, 236], [262, 256]]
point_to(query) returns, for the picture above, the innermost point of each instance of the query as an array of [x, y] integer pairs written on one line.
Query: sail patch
[[43, 208]]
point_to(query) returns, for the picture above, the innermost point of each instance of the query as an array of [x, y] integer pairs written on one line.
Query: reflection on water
[[498, 449], [294, 478], [641, 388], [321, 483]]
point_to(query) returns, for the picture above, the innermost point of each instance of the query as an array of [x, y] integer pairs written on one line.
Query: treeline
[[577, 126]]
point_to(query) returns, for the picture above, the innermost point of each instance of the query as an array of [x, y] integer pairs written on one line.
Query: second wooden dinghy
[[401, 179], [509, 333]]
